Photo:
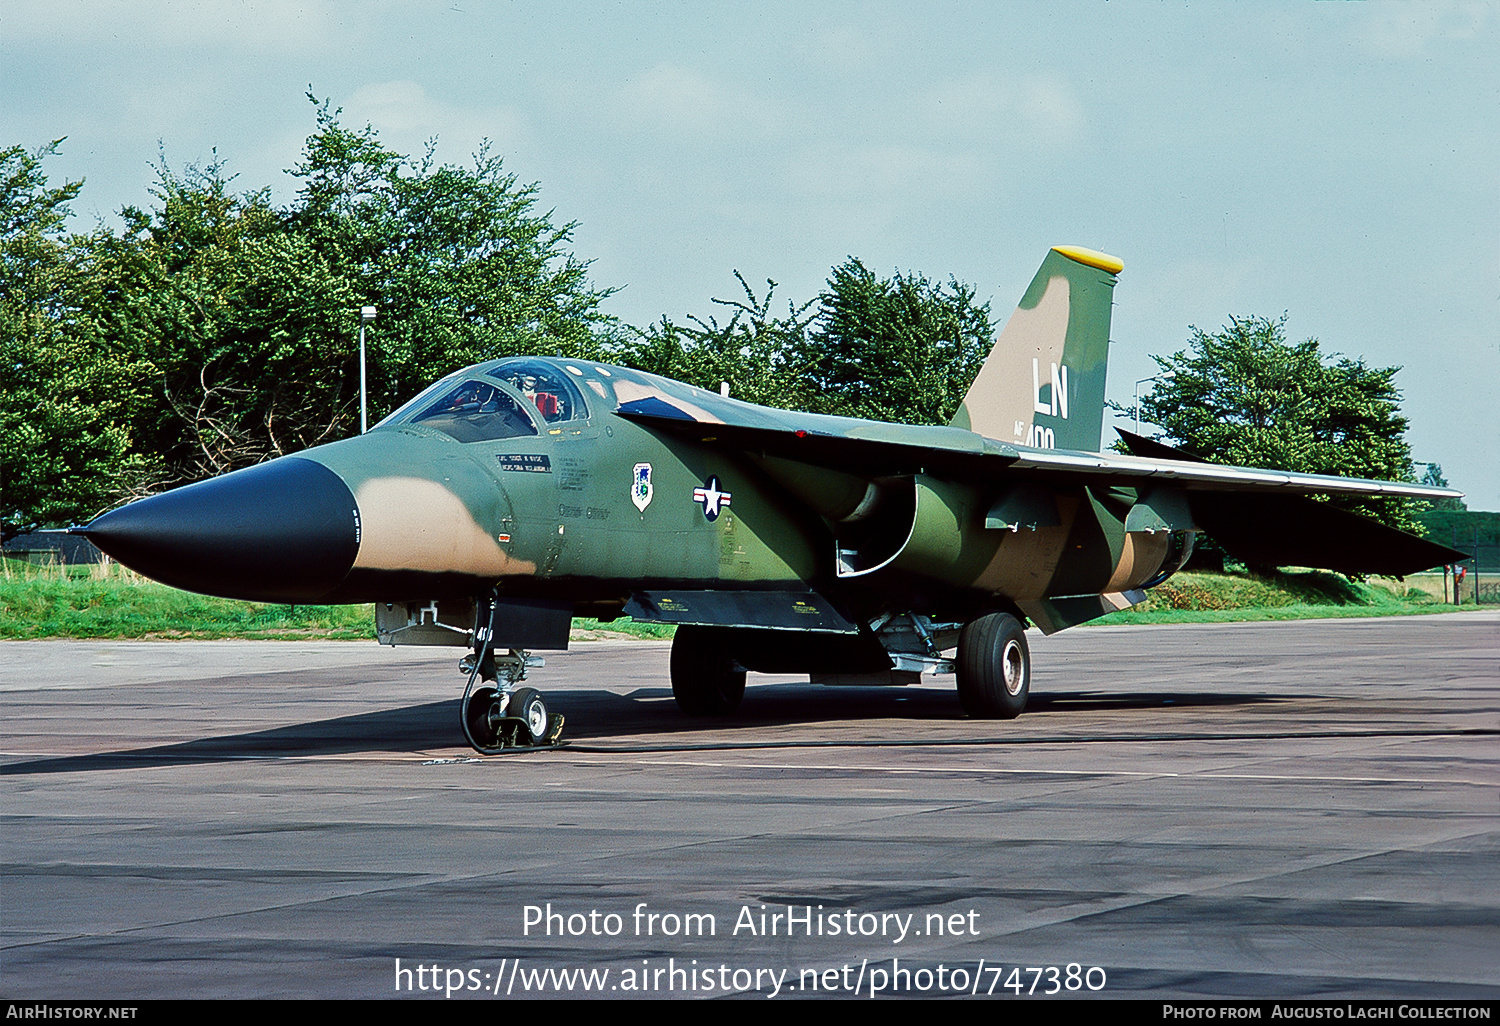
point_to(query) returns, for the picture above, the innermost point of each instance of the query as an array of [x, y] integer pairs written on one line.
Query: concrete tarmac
[[1304, 809]]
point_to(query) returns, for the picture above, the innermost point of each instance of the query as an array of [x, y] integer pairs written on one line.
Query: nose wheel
[[499, 717], [494, 721]]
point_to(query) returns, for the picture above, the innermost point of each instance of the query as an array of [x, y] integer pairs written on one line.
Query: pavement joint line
[[125, 931], [408, 885], [1141, 900], [403, 886], [1355, 857], [147, 755], [1010, 771], [897, 770], [1299, 735], [1346, 780]]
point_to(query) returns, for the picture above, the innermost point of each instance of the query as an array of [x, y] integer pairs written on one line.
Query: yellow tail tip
[[1092, 257]]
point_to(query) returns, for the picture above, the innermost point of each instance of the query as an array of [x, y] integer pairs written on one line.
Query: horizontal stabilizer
[[1292, 530], [1148, 448]]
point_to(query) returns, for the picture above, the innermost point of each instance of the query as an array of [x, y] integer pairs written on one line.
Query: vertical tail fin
[[1043, 383]]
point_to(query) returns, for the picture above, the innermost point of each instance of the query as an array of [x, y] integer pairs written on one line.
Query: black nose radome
[[283, 531]]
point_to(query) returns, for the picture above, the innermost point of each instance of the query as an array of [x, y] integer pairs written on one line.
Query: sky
[[1335, 162]]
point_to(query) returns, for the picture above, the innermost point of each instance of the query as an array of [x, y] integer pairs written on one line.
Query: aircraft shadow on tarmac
[[603, 716]]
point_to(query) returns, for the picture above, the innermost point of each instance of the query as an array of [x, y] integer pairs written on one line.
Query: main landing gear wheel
[[994, 667], [706, 681]]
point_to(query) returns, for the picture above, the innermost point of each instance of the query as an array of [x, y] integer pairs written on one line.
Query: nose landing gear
[[500, 717]]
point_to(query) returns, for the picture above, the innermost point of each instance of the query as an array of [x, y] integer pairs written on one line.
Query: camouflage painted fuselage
[[561, 514]]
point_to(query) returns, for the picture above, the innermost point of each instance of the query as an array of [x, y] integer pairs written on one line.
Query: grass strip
[[109, 601], [1307, 595]]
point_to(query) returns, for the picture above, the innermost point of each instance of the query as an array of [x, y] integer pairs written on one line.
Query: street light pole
[[1156, 377], [366, 314]]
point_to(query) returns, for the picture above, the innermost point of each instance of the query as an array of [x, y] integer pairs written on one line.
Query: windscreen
[[475, 411]]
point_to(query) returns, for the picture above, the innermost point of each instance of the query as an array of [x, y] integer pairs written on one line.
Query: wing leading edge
[[1261, 516], [844, 443]]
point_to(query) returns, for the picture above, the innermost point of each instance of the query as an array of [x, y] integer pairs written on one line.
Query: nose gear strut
[[503, 716]]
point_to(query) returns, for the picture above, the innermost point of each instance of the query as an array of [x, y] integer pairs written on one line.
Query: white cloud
[[676, 95], [1037, 111], [1050, 111], [855, 171], [406, 118], [401, 106], [846, 48], [949, 144], [261, 26], [1400, 29], [684, 104]]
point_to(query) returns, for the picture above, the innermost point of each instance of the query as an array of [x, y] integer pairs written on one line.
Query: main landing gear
[[992, 663], [993, 667], [503, 716], [706, 680]]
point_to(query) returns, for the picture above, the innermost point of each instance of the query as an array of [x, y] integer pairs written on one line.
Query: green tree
[[1451, 522], [66, 398], [755, 351], [898, 349], [245, 314], [460, 262], [1432, 474], [1244, 395], [246, 329], [902, 348]]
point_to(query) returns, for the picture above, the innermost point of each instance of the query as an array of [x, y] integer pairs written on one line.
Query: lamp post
[[1155, 377], [366, 314]]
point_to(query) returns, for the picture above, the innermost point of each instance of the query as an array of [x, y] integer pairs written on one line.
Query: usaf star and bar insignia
[[713, 497]]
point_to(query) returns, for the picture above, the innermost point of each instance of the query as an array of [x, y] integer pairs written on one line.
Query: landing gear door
[[446, 622]]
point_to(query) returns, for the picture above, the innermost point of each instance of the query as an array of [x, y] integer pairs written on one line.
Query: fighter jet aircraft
[[515, 494]]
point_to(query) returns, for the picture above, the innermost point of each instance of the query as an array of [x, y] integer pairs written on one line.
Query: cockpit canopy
[[555, 397], [505, 400]]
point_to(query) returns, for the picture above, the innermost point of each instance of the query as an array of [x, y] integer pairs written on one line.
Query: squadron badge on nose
[[640, 488]]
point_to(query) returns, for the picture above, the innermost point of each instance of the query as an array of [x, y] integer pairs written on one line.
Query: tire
[[994, 667], [526, 704], [476, 714], [705, 678]]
